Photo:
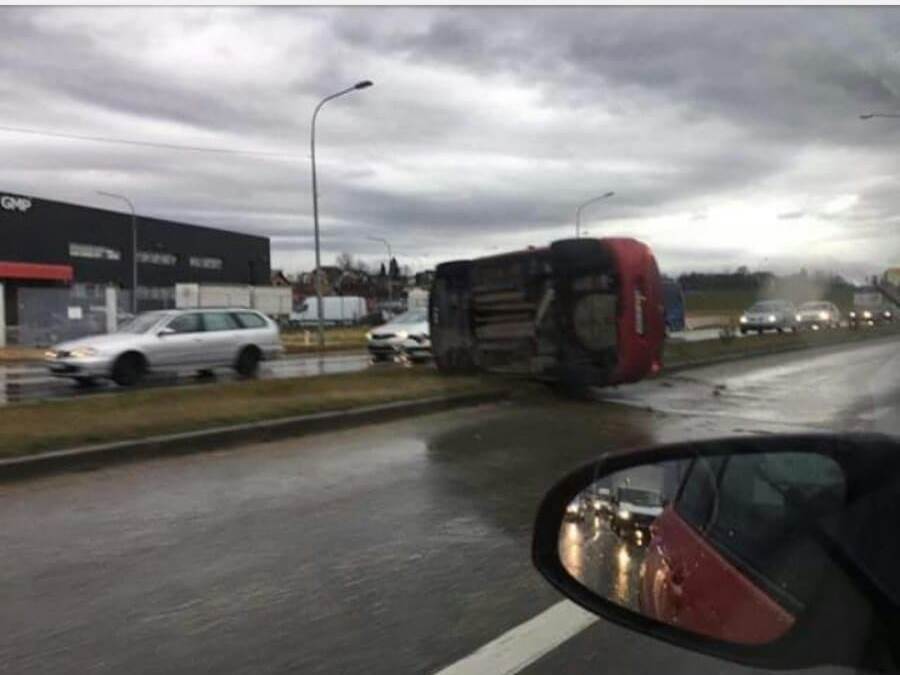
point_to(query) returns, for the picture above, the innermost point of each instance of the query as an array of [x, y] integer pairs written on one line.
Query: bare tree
[[344, 261]]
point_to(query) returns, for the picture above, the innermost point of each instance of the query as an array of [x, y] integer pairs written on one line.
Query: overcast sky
[[730, 136]]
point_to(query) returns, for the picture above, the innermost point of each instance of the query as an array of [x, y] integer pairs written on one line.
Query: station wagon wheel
[[247, 362]]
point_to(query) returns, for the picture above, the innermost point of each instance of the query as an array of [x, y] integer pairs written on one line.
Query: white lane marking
[[521, 646]]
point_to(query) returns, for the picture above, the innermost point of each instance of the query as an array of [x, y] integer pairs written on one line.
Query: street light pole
[[312, 146], [588, 202], [134, 261], [390, 257]]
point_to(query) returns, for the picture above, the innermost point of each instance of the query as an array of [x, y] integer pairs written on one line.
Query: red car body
[[687, 582]]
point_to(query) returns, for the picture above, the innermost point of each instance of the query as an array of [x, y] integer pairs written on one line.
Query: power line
[[148, 144]]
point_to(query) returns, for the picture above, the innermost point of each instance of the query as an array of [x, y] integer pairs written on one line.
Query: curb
[[106, 454], [728, 358]]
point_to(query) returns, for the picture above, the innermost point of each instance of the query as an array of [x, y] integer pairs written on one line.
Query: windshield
[[639, 497], [412, 316], [141, 323], [770, 306], [815, 306]]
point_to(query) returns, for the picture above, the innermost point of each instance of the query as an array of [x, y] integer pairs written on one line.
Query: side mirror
[[754, 550], [164, 331]]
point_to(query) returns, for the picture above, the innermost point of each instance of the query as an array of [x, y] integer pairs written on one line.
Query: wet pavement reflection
[[32, 382], [604, 562]]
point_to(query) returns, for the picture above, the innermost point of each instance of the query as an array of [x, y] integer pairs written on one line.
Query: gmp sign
[[10, 203]]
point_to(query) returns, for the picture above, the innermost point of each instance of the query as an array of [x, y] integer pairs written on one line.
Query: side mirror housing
[[756, 550], [164, 331]]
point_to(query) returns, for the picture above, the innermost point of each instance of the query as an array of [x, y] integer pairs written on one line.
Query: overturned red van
[[583, 312]]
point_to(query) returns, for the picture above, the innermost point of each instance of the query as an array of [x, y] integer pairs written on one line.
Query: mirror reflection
[[722, 546]]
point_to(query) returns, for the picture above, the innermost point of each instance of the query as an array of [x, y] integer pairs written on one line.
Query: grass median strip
[[34, 427], [679, 353]]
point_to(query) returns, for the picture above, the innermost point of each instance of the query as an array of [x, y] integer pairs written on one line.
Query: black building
[[45, 242]]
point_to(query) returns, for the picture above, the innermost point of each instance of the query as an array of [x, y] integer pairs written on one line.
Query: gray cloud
[[485, 129]]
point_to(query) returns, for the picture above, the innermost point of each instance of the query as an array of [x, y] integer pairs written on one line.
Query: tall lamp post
[[390, 257], [588, 202], [134, 261], [312, 145]]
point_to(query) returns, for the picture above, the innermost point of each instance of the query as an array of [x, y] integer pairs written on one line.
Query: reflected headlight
[[888, 314], [797, 317], [772, 318], [81, 352], [852, 315], [597, 504], [368, 335], [867, 314], [572, 507], [824, 316], [624, 515], [743, 319]]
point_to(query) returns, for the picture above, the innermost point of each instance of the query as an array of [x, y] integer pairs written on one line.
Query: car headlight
[[888, 314], [824, 316], [852, 315], [572, 507], [81, 352], [743, 319], [867, 314], [368, 335], [798, 317], [772, 318], [624, 515], [402, 335]]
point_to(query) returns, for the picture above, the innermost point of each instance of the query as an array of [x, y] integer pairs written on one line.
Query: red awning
[[17, 270]]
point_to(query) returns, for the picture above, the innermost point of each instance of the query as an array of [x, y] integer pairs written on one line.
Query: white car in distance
[[406, 335]]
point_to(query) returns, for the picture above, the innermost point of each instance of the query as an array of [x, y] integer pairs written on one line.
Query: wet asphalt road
[[395, 548], [31, 382]]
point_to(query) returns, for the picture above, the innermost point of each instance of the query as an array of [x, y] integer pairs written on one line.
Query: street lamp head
[[365, 84]]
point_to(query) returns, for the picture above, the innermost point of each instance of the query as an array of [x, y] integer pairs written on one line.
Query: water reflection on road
[[604, 562], [31, 382]]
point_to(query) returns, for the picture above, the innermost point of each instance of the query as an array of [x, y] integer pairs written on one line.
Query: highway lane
[[394, 548], [31, 382]]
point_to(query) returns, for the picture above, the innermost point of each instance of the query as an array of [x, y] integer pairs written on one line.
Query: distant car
[[777, 315], [200, 339], [816, 315], [869, 316], [405, 335], [635, 511], [673, 303], [602, 502], [870, 308], [578, 508]]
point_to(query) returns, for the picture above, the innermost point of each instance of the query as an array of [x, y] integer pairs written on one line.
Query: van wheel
[[85, 382], [128, 370], [247, 364]]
